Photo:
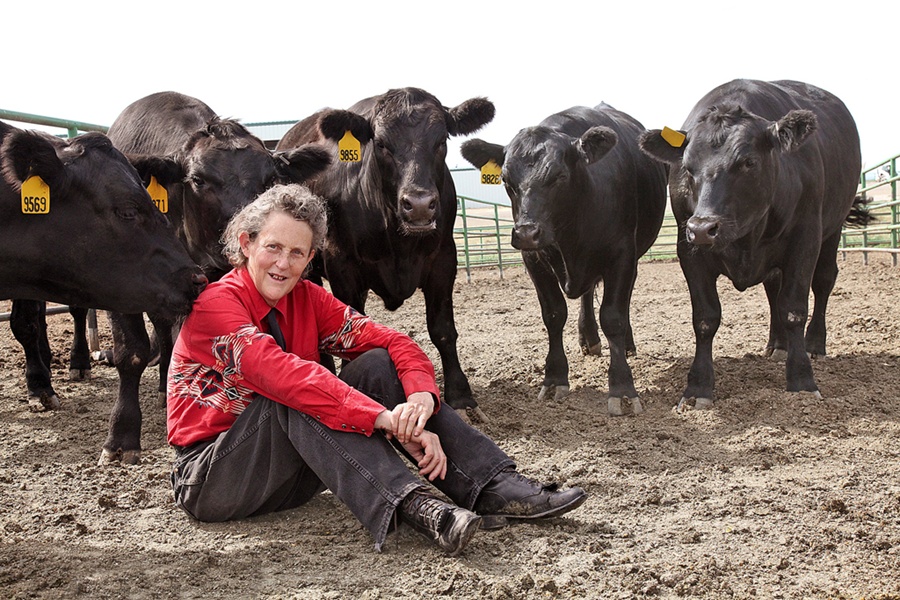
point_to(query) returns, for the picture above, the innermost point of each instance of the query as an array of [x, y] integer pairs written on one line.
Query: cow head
[[405, 147], [727, 169], [543, 171], [222, 168], [103, 243]]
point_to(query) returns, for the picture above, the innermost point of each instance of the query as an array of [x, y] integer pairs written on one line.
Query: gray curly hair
[[293, 199]]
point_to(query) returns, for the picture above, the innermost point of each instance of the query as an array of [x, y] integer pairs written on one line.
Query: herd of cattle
[[762, 176]]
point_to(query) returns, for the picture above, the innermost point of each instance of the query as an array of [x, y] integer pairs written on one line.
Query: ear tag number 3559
[[348, 148], [35, 196]]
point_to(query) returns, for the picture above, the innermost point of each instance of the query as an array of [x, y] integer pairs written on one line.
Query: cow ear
[[167, 170], [478, 152], [299, 164], [27, 153], [470, 116], [656, 147], [595, 143], [334, 123], [794, 128]]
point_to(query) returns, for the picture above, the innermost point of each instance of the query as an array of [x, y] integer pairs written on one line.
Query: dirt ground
[[768, 495]]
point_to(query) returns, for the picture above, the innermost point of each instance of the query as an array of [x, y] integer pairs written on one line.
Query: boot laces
[[427, 511]]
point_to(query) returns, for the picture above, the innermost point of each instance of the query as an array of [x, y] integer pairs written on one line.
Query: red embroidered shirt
[[224, 356]]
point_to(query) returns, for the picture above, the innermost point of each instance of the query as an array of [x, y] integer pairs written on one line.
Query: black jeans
[[274, 458]]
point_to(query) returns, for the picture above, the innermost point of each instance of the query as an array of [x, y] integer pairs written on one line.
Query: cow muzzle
[[528, 236], [418, 211], [702, 231]]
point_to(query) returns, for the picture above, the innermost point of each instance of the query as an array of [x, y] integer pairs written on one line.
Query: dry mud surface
[[768, 495]]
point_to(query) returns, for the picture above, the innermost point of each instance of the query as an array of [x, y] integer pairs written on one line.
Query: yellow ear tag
[[490, 173], [35, 196], [159, 195], [348, 148], [675, 138]]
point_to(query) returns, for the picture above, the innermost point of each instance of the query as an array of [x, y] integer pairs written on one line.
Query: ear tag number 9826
[[159, 195], [490, 173], [35, 196], [348, 148]]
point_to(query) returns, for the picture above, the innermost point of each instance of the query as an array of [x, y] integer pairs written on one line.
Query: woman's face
[[278, 256]]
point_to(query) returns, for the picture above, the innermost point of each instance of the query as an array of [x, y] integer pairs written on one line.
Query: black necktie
[[275, 330]]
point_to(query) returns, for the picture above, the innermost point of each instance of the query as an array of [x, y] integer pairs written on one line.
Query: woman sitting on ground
[[260, 426]]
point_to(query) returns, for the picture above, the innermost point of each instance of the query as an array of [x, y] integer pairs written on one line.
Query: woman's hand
[[426, 450], [408, 419]]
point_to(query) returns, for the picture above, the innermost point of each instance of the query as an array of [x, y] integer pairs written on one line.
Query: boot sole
[[489, 522]]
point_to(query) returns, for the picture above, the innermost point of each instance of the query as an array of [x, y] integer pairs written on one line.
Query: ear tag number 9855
[[35, 196], [348, 148]]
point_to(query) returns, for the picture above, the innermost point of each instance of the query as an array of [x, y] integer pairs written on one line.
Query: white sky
[[268, 61]]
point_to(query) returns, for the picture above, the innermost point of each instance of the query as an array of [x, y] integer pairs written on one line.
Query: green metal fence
[[879, 186], [483, 228]]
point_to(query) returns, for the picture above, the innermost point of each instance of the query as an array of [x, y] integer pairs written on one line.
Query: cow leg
[[615, 320], [823, 281], [776, 347], [165, 332], [554, 312], [80, 355], [588, 331], [28, 322], [706, 316], [131, 353], [438, 291], [793, 307]]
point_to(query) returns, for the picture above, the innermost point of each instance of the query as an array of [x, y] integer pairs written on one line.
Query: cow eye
[[748, 164], [126, 213], [197, 182]]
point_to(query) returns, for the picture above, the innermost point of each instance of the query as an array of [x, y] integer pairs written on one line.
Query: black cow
[[215, 167], [761, 187], [587, 204], [101, 242], [393, 212]]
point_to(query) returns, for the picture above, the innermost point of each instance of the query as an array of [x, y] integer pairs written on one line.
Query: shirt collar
[[258, 305]]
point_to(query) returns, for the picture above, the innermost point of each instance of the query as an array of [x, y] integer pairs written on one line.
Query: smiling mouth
[[278, 278]]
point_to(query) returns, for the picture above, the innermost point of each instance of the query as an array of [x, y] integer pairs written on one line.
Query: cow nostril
[[713, 231]]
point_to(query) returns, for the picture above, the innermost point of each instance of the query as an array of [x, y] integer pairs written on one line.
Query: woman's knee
[[374, 374]]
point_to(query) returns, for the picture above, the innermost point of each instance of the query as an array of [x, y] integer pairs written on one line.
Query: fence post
[[465, 226]]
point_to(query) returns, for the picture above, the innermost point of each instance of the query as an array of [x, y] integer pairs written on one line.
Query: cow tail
[[859, 215]]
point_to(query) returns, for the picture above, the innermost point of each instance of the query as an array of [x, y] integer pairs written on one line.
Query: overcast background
[[271, 61]]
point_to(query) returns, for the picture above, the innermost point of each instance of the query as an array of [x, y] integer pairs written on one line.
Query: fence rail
[[484, 228]]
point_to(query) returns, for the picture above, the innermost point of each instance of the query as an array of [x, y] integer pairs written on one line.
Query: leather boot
[[448, 525], [511, 496]]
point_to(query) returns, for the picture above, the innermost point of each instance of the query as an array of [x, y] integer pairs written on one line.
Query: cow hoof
[[632, 406], [161, 399], [103, 356], [595, 350], [79, 374], [703, 404], [778, 355], [476, 414], [636, 406], [685, 404], [127, 457], [48, 401], [559, 392]]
